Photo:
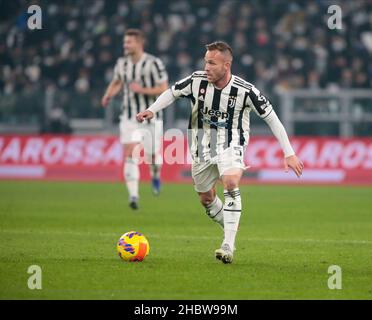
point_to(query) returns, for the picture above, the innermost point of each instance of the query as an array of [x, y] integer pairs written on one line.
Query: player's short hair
[[220, 46], [135, 33]]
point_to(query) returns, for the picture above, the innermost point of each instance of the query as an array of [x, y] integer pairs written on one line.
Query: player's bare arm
[[151, 91], [112, 90]]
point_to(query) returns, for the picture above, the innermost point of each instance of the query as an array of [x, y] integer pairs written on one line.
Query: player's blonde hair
[[222, 47], [136, 33]]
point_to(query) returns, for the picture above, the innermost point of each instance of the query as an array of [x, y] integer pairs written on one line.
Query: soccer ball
[[133, 246]]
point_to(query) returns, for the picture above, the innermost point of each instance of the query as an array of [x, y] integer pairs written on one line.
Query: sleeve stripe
[[256, 104], [267, 114], [199, 74], [159, 70], [152, 79], [184, 84], [245, 99], [242, 86]]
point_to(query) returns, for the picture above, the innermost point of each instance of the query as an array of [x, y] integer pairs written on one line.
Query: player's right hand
[[145, 115], [105, 101]]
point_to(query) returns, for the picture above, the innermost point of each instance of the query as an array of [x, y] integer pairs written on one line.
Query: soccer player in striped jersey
[[219, 128], [141, 77]]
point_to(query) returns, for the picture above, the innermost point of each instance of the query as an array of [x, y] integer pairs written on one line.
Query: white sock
[[215, 211], [131, 176], [231, 214]]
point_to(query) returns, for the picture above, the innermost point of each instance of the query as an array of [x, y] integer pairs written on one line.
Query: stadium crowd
[[277, 43]]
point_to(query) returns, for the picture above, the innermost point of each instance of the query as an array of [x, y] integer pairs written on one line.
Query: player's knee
[[128, 153], [230, 185], [206, 198], [131, 151]]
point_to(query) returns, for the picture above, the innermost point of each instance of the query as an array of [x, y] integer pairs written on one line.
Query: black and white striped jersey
[[219, 117], [149, 71]]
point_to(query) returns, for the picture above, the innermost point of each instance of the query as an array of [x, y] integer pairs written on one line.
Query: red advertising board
[[99, 158], [326, 160]]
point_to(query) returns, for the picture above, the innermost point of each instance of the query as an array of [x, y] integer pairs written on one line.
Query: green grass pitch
[[288, 237]]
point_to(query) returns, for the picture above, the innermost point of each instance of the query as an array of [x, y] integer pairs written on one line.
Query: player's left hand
[[135, 87], [295, 164]]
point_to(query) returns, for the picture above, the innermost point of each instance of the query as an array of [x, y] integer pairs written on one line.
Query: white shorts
[[206, 174], [148, 134]]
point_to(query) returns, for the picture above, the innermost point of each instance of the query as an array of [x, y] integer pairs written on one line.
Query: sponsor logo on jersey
[[215, 113]]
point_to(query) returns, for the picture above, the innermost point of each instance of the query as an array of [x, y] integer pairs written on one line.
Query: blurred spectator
[[277, 43], [57, 122]]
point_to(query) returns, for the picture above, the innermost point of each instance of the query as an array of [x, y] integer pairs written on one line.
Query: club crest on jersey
[[231, 102]]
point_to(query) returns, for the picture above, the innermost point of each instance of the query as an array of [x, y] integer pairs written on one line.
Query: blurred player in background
[[219, 128], [141, 77]]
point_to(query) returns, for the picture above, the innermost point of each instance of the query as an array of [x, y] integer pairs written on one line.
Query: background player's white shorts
[[205, 174], [149, 134]]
